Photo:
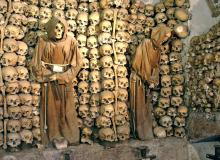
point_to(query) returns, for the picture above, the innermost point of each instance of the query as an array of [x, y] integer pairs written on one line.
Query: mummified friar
[[145, 68], [55, 64]]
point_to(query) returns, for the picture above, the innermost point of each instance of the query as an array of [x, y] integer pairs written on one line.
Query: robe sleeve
[[75, 60], [39, 72]]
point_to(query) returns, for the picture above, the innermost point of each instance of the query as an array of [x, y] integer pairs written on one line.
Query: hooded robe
[[61, 116], [145, 68]]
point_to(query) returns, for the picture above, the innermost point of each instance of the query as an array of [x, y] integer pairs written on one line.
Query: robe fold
[[61, 116]]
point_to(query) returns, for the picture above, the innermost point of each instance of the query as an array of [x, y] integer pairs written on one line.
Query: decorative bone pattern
[[204, 64]]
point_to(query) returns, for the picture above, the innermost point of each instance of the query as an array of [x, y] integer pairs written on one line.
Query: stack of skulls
[[20, 94], [89, 85], [169, 110], [203, 69]]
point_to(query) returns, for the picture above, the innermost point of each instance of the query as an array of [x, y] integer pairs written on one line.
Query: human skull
[[13, 100], [150, 22], [170, 13], [106, 50], [166, 121], [92, 42], [26, 123], [177, 79], [15, 19], [9, 59], [176, 68], [160, 18], [171, 23], [94, 7], [107, 110], [159, 112], [14, 112], [123, 37], [131, 29], [3, 6], [21, 60], [12, 87], [149, 10], [26, 111], [121, 25], [106, 61], [10, 45], [81, 40], [83, 87], [176, 101], [85, 63], [36, 134], [94, 18], [179, 132], [107, 97], [45, 3], [71, 14], [9, 74], [181, 30], [105, 26], [122, 71], [108, 84], [83, 7], [102, 121], [164, 59], [182, 111], [83, 110], [94, 112], [164, 102], [104, 38], [94, 64], [13, 139], [134, 8], [122, 108], [25, 87], [12, 31], [171, 111], [107, 14], [169, 131], [166, 81], [22, 72], [82, 19], [123, 132], [159, 132], [94, 100], [159, 7], [122, 14], [45, 13], [13, 125], [174, 57], [91, 30], [180, 3], [121, 59], [71, 4], [179, 122], [177, 45], [178, 90], [94, 76], [141, 18], [132, 18], [208, 59], [58, 4], [94, 53], [107, 73], [88, 121], [106, 134], [72, 26], [122, 95], [35, 88], [26, 136], [95, 87], [31, 11], [164, 69], [166, 92], [121, 47], [123, 82], [83, 75], [84, 98]]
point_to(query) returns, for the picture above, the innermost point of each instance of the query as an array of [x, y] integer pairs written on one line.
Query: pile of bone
[[20, 104], [204, 71], [169, 110], [98, 88]]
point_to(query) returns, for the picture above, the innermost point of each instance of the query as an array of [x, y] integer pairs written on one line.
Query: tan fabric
[[61, 111], [145, 66]]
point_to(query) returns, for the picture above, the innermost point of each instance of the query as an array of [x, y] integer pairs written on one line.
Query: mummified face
[[59, 31]]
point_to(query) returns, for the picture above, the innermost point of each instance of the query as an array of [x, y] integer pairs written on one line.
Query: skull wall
[[203, 63], [102, 85]]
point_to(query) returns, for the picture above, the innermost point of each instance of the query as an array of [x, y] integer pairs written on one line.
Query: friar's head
[[56, 28]]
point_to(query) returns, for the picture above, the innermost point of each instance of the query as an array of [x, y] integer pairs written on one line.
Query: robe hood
[[51, 25], [160, 34]]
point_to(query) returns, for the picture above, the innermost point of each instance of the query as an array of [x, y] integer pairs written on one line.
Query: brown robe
[[145, 68], [61, 112]]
